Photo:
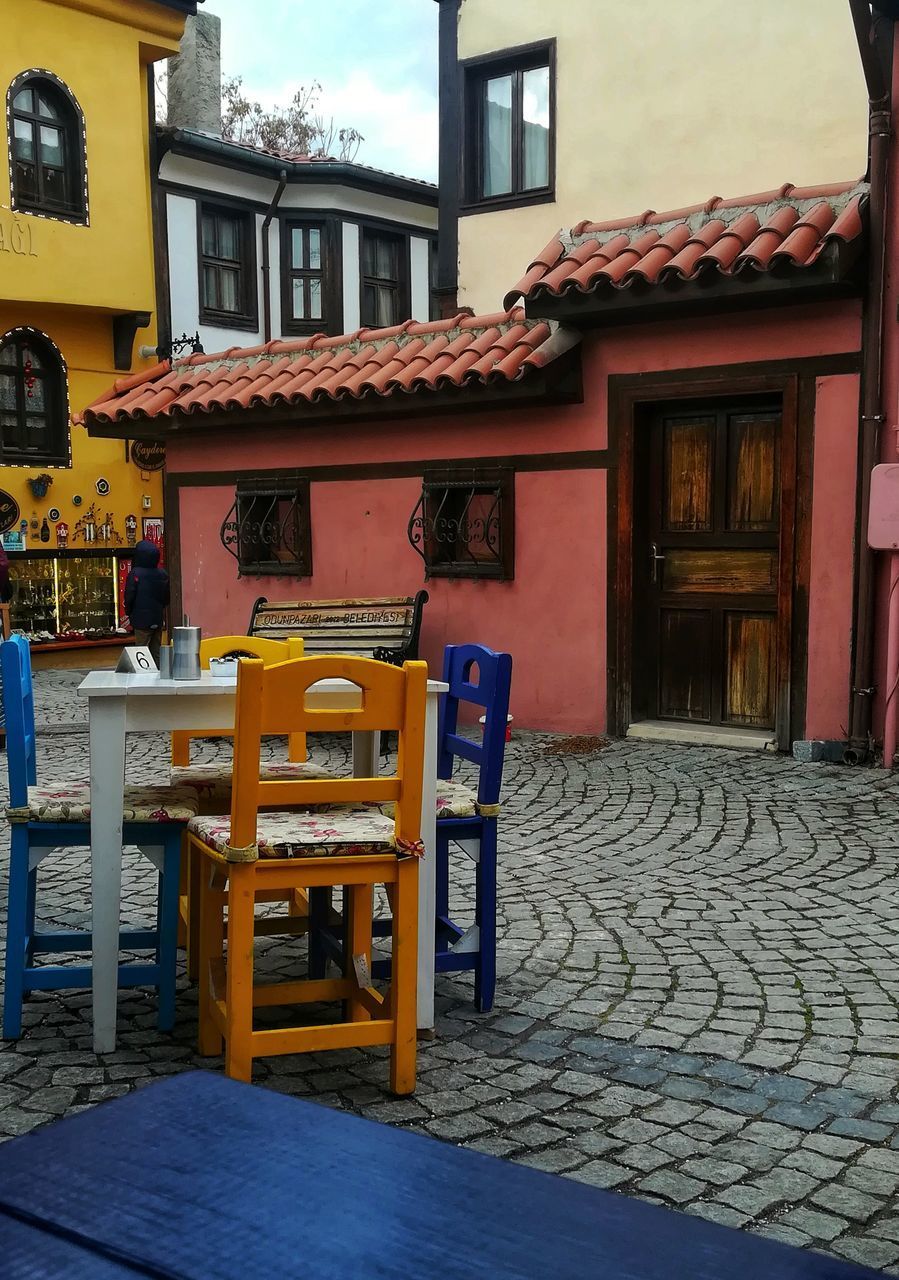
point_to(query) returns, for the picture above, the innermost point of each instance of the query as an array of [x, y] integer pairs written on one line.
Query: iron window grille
[[34, 412], [268, 530], [46, 148], [227, 267], [464, 527], [509, 131]]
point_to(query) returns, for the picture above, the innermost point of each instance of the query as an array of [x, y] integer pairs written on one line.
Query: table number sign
[[136, 660]]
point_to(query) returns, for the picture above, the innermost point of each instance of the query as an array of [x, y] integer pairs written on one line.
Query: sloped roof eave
[[460, 365]]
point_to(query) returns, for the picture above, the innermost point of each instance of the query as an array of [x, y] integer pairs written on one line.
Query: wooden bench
[[386, 628]]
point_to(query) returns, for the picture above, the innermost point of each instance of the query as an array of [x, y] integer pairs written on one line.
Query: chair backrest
[[270, 651], [18, 708], [273, 700], [494, 681]]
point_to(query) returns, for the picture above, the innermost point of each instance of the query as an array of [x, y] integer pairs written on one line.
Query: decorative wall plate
[[102, 487], [53, 513]]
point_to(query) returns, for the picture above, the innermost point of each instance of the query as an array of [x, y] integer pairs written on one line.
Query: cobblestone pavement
[[697, 1001]]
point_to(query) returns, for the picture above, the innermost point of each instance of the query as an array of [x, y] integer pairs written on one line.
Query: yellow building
[[77, 299]]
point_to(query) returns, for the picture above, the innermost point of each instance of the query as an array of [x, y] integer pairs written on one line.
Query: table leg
[[107, 757], [427, 871], [366, 749]]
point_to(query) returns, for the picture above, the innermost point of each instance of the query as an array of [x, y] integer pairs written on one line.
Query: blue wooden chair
[[466, 821], [45, 818]]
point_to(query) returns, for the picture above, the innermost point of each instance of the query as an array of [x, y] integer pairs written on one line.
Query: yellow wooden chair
[[212, 782], [252, 853], [270, 651]]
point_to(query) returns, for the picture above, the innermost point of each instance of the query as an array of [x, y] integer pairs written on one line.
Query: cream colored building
[[604, 108]]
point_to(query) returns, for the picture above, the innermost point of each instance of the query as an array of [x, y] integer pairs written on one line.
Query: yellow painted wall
[[68, 280], [661, 105]]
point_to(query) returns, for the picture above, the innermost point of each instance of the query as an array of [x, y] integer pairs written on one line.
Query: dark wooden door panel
[[685, 655], [753, 473], [689, 448], [750, 651], [712, 566], [722, 572]]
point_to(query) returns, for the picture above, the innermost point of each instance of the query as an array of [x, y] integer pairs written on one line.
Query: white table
[[119, 704]]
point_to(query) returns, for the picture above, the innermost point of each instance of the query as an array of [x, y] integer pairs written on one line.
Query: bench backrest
[[344, 626]]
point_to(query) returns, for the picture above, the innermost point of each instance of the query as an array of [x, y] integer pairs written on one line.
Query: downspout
[[266, 259], [877, 80]]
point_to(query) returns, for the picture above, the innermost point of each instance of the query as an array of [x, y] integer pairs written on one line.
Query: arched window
[[34, 410], [46, 133]]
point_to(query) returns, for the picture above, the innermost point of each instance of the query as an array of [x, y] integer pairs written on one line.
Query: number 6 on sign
[[136, 659]]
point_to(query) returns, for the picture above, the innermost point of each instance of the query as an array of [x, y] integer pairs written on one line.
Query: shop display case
[[67, 598]]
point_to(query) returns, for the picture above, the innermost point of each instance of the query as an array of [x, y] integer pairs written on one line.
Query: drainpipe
[[877, 70], [266, 256]]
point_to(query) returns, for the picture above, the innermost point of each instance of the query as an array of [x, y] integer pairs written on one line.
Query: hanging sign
[[149, 455], [9, 511]]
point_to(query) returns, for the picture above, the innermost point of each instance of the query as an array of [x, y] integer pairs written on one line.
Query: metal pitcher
[[186, 653]]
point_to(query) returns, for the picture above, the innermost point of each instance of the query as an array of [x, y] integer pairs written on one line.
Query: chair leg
[[209, 904], [194, 871], [30, 909], [441, 873], [358, 942], [168, 917], [485, 917], [404, 982], [239, 968], [319, 908], [16, 925], [183, 897]]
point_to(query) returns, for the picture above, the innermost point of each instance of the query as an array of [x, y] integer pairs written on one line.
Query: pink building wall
[[552, 617], [833, 541]]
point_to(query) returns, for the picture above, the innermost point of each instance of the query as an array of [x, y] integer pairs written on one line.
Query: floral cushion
[[72, 803], [212, 782], [335, 832], [454, 800]]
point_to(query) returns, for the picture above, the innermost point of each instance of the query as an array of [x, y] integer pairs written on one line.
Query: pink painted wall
[[833, 538], [552, 618]]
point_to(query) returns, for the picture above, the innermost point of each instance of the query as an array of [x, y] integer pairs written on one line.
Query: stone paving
[[697, 1001]]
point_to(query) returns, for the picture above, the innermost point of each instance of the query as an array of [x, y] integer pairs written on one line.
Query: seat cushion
[[339, 831], [454, 800], [212, 782], [71, 802]]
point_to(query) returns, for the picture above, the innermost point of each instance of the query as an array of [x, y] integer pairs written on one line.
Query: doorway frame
[[631, 398]]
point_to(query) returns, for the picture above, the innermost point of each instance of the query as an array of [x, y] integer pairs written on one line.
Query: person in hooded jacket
[[146, 596]]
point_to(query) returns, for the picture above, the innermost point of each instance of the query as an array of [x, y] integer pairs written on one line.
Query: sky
[[376, 61]]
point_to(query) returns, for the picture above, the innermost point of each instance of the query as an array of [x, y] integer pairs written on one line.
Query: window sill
[[466, 571], [78, 219], [274, 571], [230, 320], [497, 203]]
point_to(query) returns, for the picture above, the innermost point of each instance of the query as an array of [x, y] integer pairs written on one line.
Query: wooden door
[[710, 566]]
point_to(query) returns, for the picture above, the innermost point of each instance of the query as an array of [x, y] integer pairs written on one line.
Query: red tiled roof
[[746, 236], [371, 363]]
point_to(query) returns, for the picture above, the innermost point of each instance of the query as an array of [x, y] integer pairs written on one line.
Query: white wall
[[181, 210], [420, 290], [352, 280]]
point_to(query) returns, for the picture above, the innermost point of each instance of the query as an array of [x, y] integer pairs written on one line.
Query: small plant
[[40, 484]]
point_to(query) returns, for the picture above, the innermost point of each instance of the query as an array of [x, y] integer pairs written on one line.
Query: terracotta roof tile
[[372, 363], [788, 227]]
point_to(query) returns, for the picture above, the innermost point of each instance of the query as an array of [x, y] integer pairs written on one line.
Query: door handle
[[656, 559]]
